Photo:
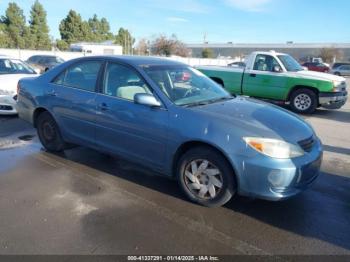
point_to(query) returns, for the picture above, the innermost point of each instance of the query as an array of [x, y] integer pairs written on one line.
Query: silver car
[[343, 70]]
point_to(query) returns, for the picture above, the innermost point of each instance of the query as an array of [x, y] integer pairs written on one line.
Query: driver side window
[[265, 63], [123, 82]]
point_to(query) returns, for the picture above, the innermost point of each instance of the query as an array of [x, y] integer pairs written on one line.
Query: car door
[[134, 131], [261, 80], [72, 100]]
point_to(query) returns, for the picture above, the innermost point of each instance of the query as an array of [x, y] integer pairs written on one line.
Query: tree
[[62, 45], [328, 54], [142, 47], [207, 53], [169, 46], [74, 29], [125, 39], [4, 39], [39, 29], [15, 26], [100, 29]]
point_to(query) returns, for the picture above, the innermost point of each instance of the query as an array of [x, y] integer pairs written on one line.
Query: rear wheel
[[304, 101], [206, 177], [49, 133]]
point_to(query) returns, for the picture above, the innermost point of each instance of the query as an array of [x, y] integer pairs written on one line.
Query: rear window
[[82, 76]]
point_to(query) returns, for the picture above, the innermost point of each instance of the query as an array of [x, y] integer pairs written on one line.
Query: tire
[[49, 133], [46, 69], [191, 183], [304, 101], [337, 73]]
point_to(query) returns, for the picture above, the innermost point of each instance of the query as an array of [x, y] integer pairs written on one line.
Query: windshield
[[186, 86], [14, 66], [290, 63]]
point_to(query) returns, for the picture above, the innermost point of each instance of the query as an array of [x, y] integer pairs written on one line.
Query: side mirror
[[277, 69], [147, 100]]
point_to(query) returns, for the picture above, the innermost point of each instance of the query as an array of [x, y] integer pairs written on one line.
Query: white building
[[105, 48]]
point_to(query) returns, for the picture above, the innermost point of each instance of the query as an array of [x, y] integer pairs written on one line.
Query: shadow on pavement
[[335, 115], [322, 212], [335, 149]]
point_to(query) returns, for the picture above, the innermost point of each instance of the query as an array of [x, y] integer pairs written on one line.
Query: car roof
[[139, 61]]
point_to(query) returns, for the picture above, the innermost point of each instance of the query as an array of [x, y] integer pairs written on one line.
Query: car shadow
[[322, 212], [335, 115]]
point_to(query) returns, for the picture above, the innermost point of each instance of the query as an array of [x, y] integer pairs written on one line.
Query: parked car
[[44, 62], [11, 71], [318, 67], [343, 70], [336, 65], [215, 144], [279, 78]]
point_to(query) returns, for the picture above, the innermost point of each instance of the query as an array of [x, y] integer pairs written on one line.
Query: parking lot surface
[[85, 202]]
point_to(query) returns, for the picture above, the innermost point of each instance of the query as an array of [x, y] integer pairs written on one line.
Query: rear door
[[72, 100], [135, 131], [261, 81]]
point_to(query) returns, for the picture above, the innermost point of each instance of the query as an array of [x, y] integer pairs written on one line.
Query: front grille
[[6, 108], [307, 144]]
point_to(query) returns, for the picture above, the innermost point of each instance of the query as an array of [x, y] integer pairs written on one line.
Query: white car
[[11, 71]]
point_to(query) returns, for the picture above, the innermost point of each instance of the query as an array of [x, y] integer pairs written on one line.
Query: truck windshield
[[290, 63], [186, 86]]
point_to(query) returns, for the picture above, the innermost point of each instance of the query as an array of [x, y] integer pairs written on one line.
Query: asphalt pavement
[[85, 202]]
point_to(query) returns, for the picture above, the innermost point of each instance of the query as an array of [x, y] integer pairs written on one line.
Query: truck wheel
[[49, 133], [206, 177], [304, 101]]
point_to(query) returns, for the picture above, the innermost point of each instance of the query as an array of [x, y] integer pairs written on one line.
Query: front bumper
[[277, 179], [7, 105], [334, 100]]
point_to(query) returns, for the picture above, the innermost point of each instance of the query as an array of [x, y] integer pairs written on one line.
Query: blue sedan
[[171, 119]]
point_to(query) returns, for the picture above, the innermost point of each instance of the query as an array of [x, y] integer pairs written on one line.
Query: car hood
[[318, 76], [9, 82], [250, 117]]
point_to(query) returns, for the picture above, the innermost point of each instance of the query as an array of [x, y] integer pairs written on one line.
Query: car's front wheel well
[[218, 81], [194, 144], [36, 114]]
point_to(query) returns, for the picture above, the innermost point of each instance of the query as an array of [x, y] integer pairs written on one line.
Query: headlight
[[274, 148], [338, 86]]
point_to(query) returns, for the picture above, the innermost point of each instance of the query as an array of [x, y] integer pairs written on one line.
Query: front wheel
[[206, 177], [49, 133], [304, 101]]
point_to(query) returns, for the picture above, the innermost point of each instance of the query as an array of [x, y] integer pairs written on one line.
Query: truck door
[[265, 79]]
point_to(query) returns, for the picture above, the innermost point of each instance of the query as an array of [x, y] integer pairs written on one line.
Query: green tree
[[125, 39], [207, 53], [100, 29], [4, 39], [15, 25], [74, 29], [39, 29], [62, 45]]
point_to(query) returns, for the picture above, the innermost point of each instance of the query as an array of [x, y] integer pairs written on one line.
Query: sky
[[221, 21]]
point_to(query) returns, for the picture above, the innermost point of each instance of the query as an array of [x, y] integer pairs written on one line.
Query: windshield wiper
[[203, 103]]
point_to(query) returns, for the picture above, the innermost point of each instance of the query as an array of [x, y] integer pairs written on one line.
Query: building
[[298, 50], [105, 48]]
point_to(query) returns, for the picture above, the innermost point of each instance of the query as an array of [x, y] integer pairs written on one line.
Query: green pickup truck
[[279, 78]]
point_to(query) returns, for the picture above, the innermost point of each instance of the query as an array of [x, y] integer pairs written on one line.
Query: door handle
[[103, 107], [252, 75]]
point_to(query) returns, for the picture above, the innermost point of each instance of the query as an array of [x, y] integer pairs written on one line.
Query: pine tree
[[73, 28], [15, 26], [39, 30]]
